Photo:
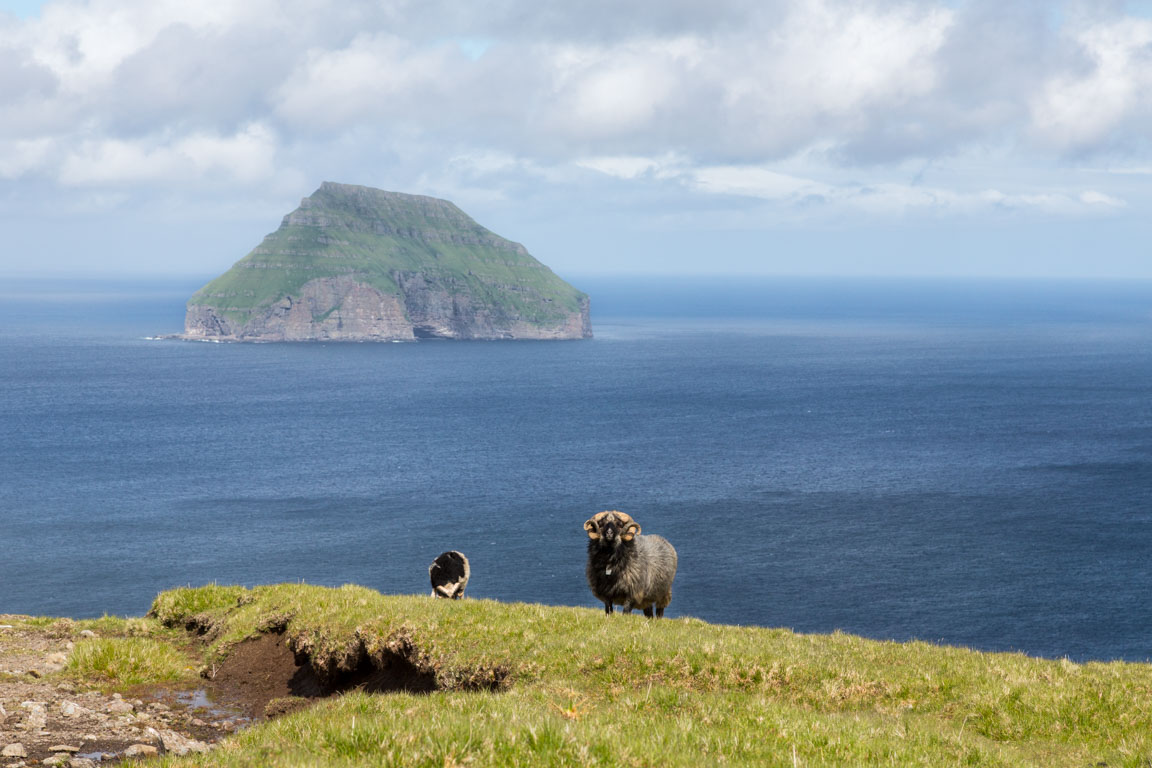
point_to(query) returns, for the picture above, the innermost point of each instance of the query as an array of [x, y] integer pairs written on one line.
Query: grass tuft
[[122, 662]]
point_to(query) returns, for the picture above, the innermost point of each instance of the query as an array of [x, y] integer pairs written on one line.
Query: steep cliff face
[[360, 264]]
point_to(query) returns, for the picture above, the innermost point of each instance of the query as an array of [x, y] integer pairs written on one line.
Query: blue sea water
[[965, 463]]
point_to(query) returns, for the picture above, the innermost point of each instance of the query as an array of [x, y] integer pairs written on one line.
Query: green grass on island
[[533, 685]]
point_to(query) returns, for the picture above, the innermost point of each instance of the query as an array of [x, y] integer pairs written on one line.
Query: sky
[[971, 138]]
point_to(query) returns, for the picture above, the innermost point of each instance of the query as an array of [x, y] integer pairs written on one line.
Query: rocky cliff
[[361, 264]]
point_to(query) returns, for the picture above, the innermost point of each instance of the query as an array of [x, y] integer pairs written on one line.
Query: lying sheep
[[625, 568], [449, 573]]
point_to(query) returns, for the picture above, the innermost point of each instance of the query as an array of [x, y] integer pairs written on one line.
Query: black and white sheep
[[625, 568], [449, 573]]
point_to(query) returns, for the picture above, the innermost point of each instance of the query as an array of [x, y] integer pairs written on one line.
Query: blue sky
[[817, 137], [22, 8]]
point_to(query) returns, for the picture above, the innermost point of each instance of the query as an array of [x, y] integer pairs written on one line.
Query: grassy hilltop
[[532, 685]]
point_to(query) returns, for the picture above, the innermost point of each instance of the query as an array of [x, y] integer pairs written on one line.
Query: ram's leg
[[608, 608], [648, 611], [660, 612], [627, 607]]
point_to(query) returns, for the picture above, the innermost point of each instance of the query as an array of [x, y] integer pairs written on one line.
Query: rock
[[3, 713], [37, 718], [14, 750], [33, 673], [141, 750], [72, 709], [87, 633], [178, 744], [119, 707], [81, 762], [64, 748], [60, 759], [57, 659]]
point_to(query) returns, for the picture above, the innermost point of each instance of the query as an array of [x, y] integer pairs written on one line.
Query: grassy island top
[[373, 235], [532, 685]]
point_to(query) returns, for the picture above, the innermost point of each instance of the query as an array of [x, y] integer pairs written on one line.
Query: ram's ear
[[592, 528], [630, 531]]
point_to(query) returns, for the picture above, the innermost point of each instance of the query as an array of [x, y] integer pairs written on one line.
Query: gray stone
[[72, 709], [87, 633], [63, 748], [141, 750], [14, 750], [60, 759], [81, 762], [37, 718], [119, 707], [178, 744]]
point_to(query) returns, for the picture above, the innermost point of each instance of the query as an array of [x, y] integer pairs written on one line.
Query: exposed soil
[[262, 669], [265, 678]]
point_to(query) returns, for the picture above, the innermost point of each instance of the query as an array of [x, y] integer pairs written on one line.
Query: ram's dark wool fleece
[[625, 568]]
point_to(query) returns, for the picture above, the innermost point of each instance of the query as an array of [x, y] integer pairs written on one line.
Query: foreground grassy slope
[[585, 689], [373, 235]]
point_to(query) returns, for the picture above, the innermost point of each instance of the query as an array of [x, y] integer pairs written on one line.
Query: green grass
[[123, 662], [495, 273], [586, 689]]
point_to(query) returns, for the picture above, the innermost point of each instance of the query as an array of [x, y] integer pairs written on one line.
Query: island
[[355, 263]]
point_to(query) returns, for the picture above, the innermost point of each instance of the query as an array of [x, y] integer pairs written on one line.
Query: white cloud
[[246, 157], [375, 77], [808, 103], [19, 157], [890, 199], [756, 182], [1079, 110], [1092, 197], [634, 166]]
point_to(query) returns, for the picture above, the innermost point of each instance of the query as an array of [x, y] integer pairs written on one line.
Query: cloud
[[1087, 109], [246, 157], [817, 102]]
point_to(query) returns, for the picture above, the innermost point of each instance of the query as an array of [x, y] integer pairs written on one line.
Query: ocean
[[962, 462]]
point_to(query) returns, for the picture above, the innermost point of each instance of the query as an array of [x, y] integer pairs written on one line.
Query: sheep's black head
[[611, 527]]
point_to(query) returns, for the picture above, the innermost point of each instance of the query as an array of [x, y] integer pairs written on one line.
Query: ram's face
[[611, 527]]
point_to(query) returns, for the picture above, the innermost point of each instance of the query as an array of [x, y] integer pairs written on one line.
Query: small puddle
[[199, 703]]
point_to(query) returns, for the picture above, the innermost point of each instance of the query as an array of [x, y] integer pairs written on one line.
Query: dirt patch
[[261, 669], [267, 678]]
